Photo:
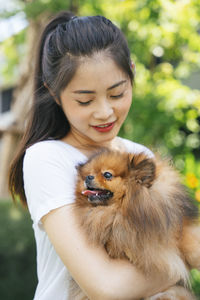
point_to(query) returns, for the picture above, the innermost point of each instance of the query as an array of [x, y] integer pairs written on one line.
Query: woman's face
[[97, 100]]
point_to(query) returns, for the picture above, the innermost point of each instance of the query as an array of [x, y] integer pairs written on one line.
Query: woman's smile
[[104, 127]]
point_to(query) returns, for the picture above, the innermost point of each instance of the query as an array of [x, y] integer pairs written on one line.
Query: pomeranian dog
[[137, 208]]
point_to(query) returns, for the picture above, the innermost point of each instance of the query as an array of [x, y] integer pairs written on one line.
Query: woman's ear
[[52, 94], [133, 67]]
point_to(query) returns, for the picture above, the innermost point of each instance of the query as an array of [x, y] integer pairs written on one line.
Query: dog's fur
[[144, 215]]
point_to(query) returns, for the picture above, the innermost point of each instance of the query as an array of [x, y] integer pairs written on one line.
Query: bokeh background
[[164, 39]]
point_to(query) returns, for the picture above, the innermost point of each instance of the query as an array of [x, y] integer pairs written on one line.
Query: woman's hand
[[100, 277], [190, 245]]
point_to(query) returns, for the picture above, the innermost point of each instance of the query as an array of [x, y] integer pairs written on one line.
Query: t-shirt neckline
[[70, 146]]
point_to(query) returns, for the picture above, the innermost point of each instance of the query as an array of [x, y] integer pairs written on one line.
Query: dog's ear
[[79, 166], [144, 169]]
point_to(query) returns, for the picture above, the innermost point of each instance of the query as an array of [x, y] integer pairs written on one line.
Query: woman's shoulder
[[136, 148], [49, 175], [53, 150], [47, 145]]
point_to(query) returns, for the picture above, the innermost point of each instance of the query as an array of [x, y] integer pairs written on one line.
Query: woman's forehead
[[96, 71]]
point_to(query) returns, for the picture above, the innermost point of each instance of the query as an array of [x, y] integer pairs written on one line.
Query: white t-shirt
[[49, 182]]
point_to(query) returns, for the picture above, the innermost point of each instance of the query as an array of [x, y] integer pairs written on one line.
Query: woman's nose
[[103, 111]]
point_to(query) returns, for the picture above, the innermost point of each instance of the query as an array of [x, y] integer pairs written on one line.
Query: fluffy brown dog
[[136, 207]]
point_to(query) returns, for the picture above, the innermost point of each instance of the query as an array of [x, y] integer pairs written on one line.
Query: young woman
[[82, 95]]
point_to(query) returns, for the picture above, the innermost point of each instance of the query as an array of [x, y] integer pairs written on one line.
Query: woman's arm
[[100, 277]]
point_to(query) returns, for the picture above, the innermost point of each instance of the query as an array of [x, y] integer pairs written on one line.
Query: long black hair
[[65, 40]]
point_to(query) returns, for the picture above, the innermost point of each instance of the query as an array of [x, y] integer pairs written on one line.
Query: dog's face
[[107, 176]]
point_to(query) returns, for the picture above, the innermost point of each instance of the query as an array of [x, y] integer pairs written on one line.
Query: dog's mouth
[[97, 196]]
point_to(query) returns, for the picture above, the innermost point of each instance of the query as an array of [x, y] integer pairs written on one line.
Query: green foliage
[[12, 50], [17, 254], [34, 8], [195, 281]]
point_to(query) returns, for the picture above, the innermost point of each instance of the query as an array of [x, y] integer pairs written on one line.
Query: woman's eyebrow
[[83, 92], [93, 92], [116, 84]]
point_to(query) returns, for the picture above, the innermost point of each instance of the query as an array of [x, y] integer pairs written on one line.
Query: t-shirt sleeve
[[49, 180], [136, 148]]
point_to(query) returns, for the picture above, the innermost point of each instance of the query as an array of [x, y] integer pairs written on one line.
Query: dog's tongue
[[90, 193]]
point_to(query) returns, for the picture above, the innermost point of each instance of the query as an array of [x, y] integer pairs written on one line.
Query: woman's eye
[[107, 175], [117, 96], [84, 103]]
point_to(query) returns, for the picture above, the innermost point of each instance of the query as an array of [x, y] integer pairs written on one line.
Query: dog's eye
[[107, 175]]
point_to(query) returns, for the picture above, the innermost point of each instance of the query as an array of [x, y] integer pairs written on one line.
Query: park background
[[164, 39]]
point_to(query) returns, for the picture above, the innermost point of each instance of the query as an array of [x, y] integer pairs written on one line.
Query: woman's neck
[[88, 147]]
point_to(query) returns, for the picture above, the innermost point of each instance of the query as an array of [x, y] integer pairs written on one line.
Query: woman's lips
[[104, 127]]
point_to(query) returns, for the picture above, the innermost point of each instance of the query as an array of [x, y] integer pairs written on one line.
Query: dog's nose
[[89, 178], [89, 181]]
